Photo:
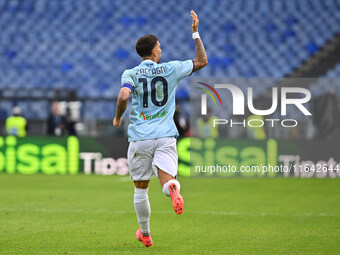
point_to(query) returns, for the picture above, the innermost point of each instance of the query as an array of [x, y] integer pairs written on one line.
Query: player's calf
[[143, 210], [172, 189]]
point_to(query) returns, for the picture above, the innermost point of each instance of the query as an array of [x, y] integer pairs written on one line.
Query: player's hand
[[195, 21], [117, 122]]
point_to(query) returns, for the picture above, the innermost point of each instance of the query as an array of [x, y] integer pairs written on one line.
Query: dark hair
[[145, 45]]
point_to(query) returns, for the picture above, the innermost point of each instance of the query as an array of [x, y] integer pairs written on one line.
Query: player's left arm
[[201, 59], [122, 103]]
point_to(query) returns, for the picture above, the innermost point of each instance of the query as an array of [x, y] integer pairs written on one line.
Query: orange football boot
[[146, 240], [177, 199]]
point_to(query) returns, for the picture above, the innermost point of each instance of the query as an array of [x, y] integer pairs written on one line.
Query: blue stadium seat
[[86, 45]]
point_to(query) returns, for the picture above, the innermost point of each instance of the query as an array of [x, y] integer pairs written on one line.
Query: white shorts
[[145, 156]]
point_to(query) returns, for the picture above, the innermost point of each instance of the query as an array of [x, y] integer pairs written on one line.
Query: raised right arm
[[201, 59]]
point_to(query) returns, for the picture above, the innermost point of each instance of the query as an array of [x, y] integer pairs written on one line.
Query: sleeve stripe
[[127, 85]]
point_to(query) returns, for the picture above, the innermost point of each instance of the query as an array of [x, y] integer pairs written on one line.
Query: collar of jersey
[[148, 61]]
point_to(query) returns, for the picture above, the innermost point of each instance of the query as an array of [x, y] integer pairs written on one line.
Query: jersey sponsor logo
[[152, 116]]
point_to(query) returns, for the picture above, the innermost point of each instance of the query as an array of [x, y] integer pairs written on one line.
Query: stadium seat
[[86, 45]]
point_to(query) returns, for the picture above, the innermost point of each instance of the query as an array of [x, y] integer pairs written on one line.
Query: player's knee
[[141, 195]]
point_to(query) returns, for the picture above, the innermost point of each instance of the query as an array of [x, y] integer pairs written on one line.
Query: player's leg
[[143, 211], [171, 187], [142, 205], [165, 163], [165, 179], [140, 168]]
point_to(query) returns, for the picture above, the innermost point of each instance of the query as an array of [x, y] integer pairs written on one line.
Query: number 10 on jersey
[[153, 91]]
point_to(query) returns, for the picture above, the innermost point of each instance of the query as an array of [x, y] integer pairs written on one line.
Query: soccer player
[[152, 132]]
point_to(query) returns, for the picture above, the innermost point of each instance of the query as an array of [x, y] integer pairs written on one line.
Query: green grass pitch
[[95, 215]]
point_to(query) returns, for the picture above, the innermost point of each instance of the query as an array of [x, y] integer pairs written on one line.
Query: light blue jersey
[[153, 89]]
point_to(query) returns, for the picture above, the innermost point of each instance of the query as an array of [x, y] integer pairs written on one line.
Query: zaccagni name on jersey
[[151, 71]]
